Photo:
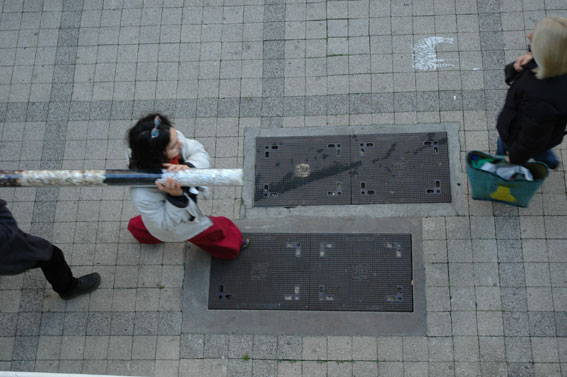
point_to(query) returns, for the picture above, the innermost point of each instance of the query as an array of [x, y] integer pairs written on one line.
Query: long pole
[[189, 177]]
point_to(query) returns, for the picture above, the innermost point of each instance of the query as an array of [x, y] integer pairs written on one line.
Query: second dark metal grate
[[331, 272], [358, 169]]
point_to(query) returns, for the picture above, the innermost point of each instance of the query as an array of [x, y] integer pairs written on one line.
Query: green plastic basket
[[490, 186]]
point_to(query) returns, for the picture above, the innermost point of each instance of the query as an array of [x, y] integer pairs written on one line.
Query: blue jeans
[[547, 157]]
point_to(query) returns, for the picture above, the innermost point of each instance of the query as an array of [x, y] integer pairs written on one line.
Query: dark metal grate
[[331, 272], [302, 171], [361, 272], [401, 168], [359, 169], [270, 273]]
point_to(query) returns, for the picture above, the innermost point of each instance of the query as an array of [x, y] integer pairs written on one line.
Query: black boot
[[85, 284]]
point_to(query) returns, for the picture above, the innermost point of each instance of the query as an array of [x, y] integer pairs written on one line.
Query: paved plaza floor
[[74, 75]]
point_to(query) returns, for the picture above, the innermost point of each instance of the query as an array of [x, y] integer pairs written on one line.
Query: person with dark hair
[[20, 252], [169, 212]]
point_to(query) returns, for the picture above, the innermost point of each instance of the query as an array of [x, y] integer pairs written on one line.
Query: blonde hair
[[549, 47]]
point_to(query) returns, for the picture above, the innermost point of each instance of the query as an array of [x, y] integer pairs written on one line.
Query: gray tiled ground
[[75, 74]]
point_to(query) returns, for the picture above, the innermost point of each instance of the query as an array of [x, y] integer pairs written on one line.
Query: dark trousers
[[57, 271], [547, 157]]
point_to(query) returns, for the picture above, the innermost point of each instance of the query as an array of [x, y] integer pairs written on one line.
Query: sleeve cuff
[[179, 201]]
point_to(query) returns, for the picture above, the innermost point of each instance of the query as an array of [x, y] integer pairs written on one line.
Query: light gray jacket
[[163, 220]]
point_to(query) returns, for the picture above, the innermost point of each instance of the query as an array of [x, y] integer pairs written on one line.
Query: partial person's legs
[[57, 272], [548, 158], [221, 240], [501, 148], [140, 232], [59, 275]]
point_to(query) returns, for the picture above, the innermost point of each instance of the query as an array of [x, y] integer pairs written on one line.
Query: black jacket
[[19, 251], [534, 116]]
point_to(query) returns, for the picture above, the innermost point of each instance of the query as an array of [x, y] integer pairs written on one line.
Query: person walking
[[169, 212], [534, 116], [20, 252]]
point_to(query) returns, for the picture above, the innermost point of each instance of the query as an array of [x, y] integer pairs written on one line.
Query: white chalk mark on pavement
[[425, 57]]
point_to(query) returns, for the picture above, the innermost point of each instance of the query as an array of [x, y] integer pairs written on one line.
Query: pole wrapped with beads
[[116, 177]]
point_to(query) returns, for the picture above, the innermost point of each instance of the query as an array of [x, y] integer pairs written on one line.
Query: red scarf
[[174, 160]]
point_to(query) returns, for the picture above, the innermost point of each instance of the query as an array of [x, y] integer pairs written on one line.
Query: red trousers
[[221, 240]]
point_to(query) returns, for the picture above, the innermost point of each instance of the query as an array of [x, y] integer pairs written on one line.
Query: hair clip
[[155, 130]]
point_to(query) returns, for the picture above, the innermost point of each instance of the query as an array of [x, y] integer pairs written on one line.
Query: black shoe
[[85, 284], [244, 244]]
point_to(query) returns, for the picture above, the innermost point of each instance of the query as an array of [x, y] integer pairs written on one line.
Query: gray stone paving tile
[[8, 323], [492, 348], [192, 346], [415, 349], [490, 323], [511, 275], [336, 369], [191, 367], [466, 348], [22, 365], [314, 348], [518, 349], [31, 299], [240, 345], [415, 369], [486, 274], [96, 348], [75, 323], [561, 323], [169, 323], [122, 323], [509, 251], [216, 346], [240, 368], [516, 323], [48, 366], [28, 324], [250, 107], [544, 350], [364, 348], [439, 324], [437, 275], [289, 347], [146, 323], [462, 298], [394, 369], [442, 369], [49, 348], [521, 369], [264, 368], [265, 347], [167, 348], [440, 349], [98, 323], [120, 347], [142, 367], [118, 367], [365, 369], [72, 347], [542, 324]]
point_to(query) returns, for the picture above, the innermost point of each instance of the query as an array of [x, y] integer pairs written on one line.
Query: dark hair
[[147, 152]]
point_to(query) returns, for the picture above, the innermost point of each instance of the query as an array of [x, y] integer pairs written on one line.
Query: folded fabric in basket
[[514, 172], [508, 171]]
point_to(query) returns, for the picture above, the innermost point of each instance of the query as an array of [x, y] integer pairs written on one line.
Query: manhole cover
[[330, 272], [359, 169], [401, 168], [302, 171]]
